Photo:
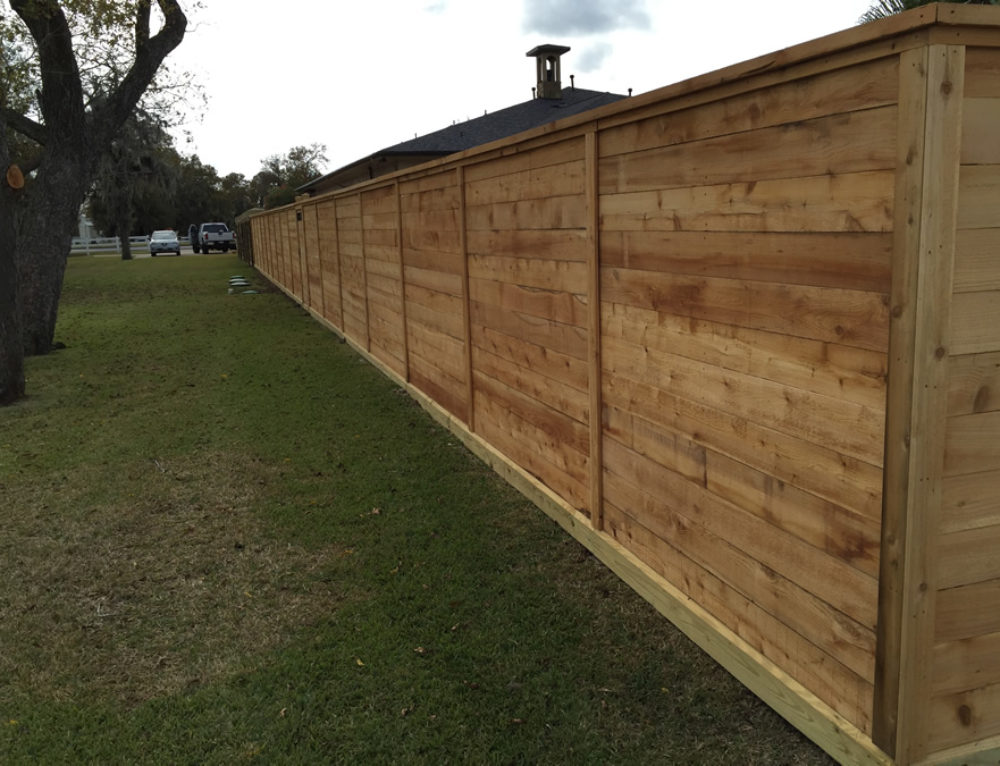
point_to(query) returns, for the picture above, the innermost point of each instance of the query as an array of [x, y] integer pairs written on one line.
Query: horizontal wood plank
[[559, 367], [558, 305], [553, 245], [442, 179], [427, 314], [845, 427], [848, 317], [980, 117], [815, 468], [974, 328], [561, 431], [852, 202], [434, 280], [521, 440], [970, 663], [429, 380], [567, 212], [552, 393], [534, 183], [563, 338], [842, 372], [974, 383], [979, 197], [972, 443], [844, 143], [868, 85], [969, 556], [957, 719], [970, 501], [977, 260], [667, 498], [968, 611], [838, 532], [851, 261], [551, 154], [982, 73], [565, 276], [844, 690]]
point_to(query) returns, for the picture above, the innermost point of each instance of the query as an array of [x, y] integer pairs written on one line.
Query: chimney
[[548, 70]]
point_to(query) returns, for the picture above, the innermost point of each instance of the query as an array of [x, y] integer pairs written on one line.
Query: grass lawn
[[228, 539]]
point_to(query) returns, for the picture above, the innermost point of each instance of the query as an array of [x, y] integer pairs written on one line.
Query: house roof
[[505, 122], [475, 132]]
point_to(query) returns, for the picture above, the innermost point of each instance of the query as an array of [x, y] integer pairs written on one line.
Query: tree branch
[[25, 126], [150, 53], [142, 25], [61, 98]]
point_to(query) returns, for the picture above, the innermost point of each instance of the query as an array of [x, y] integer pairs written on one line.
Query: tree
[[881, 9], [11, 350], [134, 182], [235, 196], [75, 116], [197, 195], [280, 176]]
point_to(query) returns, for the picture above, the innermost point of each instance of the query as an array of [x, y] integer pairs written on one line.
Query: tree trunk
[[124, 245], [48, 217], [74, 137], [11, 349], [122, 200]]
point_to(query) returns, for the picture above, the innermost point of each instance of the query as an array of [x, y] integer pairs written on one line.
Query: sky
[[364, 75]]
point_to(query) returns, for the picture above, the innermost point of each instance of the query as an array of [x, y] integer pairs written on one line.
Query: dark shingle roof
[[505, 122], [465, 135]]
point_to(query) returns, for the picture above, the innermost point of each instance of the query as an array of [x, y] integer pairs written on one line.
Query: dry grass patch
[[165, 582]]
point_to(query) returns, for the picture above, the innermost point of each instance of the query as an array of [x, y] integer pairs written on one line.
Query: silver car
[[164, 241]]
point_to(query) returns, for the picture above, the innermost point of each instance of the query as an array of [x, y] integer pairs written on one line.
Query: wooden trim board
[[931, 89]]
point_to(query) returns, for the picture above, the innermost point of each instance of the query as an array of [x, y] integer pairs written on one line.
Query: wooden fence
[[741, 337]]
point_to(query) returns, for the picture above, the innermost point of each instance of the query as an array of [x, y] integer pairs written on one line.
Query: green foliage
[[175, 191], [136, 182], [280, 175], [266, 551], [104, 41]]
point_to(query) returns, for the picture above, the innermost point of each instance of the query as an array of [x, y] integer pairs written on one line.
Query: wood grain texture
[[698, 324], [968, 611], [931, 93], [847, 317], [849, 202], [851, 261], [838, 144]]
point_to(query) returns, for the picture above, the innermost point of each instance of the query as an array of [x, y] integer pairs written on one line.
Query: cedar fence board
[[738, 336]]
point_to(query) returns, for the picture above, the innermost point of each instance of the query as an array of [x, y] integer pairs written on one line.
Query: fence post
[[596, 463]]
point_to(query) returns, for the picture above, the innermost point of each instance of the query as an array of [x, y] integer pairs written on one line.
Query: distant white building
[[87, 231]]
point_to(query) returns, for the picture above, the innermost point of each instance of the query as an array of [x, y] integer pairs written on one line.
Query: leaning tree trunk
[[11, 349], [48, 217]]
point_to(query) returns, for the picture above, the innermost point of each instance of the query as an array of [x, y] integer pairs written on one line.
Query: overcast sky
[[361, 76]]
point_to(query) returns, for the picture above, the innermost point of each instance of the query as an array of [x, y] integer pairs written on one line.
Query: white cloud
[[584, 17]]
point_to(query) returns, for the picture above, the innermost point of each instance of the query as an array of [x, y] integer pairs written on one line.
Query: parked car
[[215, 236], [164, 241]]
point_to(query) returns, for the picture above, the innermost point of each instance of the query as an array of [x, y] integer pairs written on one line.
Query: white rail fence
[[111, 245]]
